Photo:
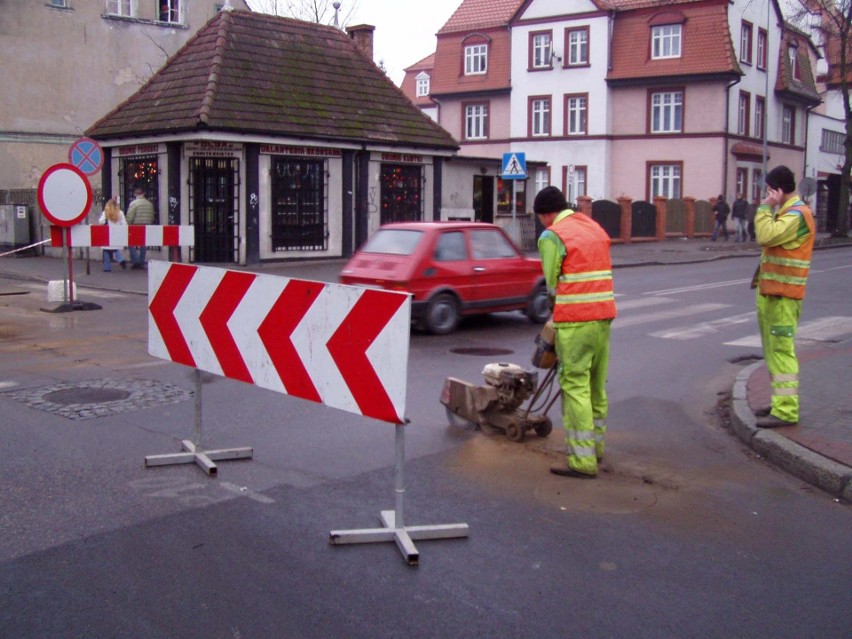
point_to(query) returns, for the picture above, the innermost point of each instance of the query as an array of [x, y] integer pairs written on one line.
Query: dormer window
[[793, 55], [422, 84], [666, 41], [475, 59]]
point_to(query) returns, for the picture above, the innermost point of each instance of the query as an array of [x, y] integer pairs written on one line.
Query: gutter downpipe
[[727, 136]]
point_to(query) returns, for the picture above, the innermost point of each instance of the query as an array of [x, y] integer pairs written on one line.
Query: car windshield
[[393, 242]]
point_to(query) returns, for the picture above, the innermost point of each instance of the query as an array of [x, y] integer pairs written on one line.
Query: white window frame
[[540, 123], [788, 125], [576, 184], [542, 45], [743, 113], [759, 116], [667, 112], [756, 184], [666, 180], [793, 57], [746, 39], [124, 8], [542, 179], [476, 121], [666, 40], [832, 142], [762, 39], [59, 4], [174, 6], [476, 59], [578, 47], [577, 107], [422, 82]]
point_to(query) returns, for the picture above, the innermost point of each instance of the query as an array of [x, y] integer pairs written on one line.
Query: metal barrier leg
[[193, 452], [394, 521]]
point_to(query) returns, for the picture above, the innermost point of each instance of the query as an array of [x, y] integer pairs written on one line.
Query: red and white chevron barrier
[[124, 235], [343, 346]]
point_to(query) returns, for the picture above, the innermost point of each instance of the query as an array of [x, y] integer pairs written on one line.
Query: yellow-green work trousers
[[778, 318], [583, 352]]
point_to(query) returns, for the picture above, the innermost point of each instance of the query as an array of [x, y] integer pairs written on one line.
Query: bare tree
[[831, 22], [319, 11]]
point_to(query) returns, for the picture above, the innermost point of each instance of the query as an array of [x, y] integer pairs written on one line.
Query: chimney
[[362, 34]]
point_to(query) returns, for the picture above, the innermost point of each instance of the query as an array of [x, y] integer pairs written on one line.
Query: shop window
[[504, 196], [299, 219], [402, 193], [140, 171]]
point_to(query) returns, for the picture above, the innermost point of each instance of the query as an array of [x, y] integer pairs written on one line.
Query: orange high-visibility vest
[[584, 292], [784, 272]]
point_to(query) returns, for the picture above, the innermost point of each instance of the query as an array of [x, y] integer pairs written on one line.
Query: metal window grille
[[402, 193], [299, 205]]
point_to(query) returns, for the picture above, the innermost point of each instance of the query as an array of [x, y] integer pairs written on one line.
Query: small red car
[[451, 269]]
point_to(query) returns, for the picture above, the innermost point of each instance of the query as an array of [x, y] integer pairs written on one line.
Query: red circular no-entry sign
[[64, 194]]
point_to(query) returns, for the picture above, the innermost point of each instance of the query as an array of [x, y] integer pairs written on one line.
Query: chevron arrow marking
[[214, 320], [162, 310]]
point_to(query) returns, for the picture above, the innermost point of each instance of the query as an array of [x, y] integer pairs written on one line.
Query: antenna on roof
[[336, 6]]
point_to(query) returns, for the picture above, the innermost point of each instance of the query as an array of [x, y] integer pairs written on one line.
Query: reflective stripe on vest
[[584, 291], [784, 272]]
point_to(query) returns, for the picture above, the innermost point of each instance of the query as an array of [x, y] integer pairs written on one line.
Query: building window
[[667, 112], [665, 180], [542, 178], [793, 56], [762, 37], [788, 125], [475, 59], [832, 142], [139, 171], [299, 218], [742, 181], [756, 185], [746, 33], [169, 10], [422, 82], [577, 45], [576, 118], [744, 113], [666, 41], [401, 196], [125, 8], [575, 183], [540, 50], [759, 116], [62, 4], [539, 116], [476, 121]]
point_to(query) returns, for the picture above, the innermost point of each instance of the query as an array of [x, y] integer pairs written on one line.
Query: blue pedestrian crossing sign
[[514, 166]]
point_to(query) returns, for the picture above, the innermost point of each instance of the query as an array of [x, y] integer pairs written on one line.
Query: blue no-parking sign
[[86, 155]]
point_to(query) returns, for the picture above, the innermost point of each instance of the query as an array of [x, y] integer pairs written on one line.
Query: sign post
[[515, 168], [65, 196]]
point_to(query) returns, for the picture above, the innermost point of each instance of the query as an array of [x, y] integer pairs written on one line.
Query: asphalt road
[[685, 533]]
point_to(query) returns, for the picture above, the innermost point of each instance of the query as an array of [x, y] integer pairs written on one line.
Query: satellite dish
[[807, 187]]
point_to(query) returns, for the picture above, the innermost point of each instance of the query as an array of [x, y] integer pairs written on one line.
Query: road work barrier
[[343, 346]]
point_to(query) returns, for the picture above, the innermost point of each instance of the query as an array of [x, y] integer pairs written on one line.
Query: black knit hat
[[781, 178], [549, 200]]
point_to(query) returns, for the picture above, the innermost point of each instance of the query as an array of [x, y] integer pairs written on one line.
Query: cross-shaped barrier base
[[204, 458]]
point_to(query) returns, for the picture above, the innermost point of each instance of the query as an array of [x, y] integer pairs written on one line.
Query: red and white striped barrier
[[343, 346], [124, 235]]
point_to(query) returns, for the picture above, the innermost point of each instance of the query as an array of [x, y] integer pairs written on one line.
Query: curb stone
[[831, 476]]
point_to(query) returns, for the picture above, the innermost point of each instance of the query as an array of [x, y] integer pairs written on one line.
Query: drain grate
[[481, 350], [100, 397]]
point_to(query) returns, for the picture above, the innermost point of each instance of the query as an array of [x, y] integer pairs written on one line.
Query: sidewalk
[[818, 450]]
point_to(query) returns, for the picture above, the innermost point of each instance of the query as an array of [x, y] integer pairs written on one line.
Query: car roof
[[426, 226]]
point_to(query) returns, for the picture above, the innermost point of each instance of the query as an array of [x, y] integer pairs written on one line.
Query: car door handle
[[478, 269]]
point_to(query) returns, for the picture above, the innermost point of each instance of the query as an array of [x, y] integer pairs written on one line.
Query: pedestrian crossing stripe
[[824, 329]]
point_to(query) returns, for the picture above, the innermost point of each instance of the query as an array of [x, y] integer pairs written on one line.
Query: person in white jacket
[[114, 216]]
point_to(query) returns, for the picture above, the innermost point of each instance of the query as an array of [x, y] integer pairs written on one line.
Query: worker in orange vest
[[784, 226], [578, 268]]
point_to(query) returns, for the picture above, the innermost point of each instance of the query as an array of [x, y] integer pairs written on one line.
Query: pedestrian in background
[[112, 215], [721, 209], [752, 210], [140, 211], [577, 266], [785, 230], [739, 211]]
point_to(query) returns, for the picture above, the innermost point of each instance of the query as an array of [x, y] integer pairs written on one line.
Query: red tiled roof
[[475, 15], [707, 49], [449, 59], [250, 72], [426, 63]]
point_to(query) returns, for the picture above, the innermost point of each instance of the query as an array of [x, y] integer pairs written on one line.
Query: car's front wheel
[[538, 307], [442, 314]]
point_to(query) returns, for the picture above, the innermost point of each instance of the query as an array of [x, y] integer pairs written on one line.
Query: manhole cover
[[86, 396], [481, 350], [100, 397]]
